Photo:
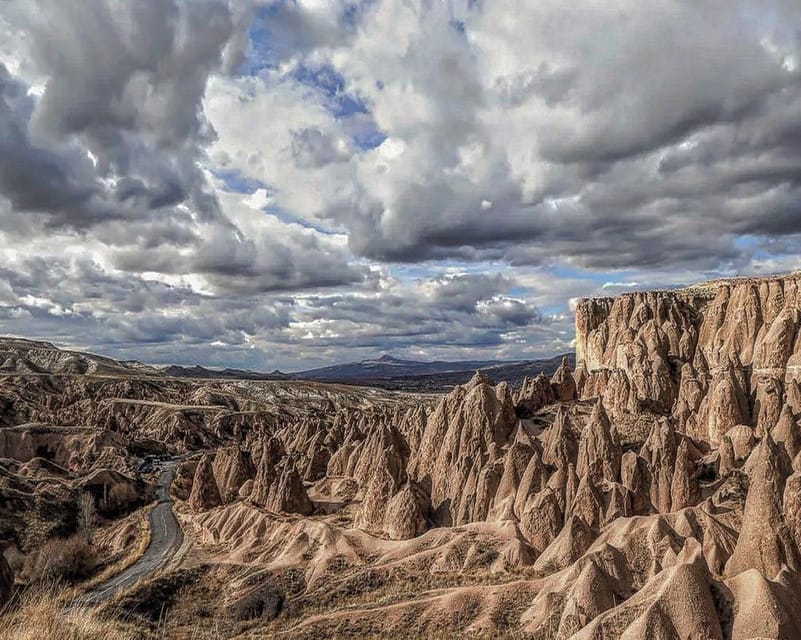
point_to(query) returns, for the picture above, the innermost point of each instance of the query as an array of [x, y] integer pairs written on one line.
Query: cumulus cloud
[[115, 144], [458, 313], [269, 182], [118, 119], [603, 134]]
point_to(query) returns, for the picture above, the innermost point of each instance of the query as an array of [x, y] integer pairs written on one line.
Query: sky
[[288, 184]]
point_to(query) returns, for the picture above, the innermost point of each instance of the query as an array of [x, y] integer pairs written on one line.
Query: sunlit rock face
[[712, 356]]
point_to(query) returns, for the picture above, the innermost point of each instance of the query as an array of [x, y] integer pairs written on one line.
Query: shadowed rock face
[[277, 485], [232, 468], [205, 494]]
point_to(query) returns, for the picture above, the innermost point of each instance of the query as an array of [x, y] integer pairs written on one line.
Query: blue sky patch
[[237, 183], [369, 139], [330, 83]]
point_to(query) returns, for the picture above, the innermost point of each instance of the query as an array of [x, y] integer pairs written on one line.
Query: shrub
[[263, 601], [68, 560]]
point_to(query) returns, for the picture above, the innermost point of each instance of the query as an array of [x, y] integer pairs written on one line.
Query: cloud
[[58, 181], [273, 182], [114, 146], [117, 131], [311, 148], [656, 143], [466, 313], [74, 297]]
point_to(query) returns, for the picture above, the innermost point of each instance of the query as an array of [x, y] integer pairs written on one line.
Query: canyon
[[653, 491]]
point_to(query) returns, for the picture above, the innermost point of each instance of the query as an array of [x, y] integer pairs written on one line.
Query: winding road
[[165, 538]]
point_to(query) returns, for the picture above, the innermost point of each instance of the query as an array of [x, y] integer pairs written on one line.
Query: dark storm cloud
[[119, 128], [113, 147], [462, 293], [34, 178]]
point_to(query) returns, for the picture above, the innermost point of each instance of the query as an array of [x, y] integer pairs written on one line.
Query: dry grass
[[363, 593], [40, 615], [376, 587], [62, 560]]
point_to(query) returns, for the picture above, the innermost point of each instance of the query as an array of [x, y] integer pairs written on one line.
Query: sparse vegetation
[[126, 560], [40, 525], [62, 560], [264, 601], [87, 515], [40, 615]]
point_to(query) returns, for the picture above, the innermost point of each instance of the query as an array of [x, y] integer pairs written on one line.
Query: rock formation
[[232, 468], [205, 494], [461, 447], [535, 394], [710, 355], [278, 485], [563, 383], [654, 492]]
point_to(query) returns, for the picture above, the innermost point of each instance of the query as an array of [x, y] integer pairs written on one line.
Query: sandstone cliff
[[712, 356]]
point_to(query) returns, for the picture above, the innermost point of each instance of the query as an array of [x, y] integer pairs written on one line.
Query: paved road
[[165, 538]]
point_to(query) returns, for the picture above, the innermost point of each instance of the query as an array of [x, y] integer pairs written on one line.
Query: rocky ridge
[[712, 356]]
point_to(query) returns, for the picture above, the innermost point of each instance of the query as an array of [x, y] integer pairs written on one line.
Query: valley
[[653, 490]]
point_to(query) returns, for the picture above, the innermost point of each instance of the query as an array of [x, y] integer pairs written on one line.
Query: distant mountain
[[393, 373], [388, 372], [197, 372], [387, 367], [20, 355]]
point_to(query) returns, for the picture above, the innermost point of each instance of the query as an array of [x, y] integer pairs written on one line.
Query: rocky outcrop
[[232, 468], [535, 393], [563, 383], [205, 494], [287, 493], [766, 542], [599, 451], [561, 445], [713, 356], [670, 469], [459, 460], [266, 456], [405, 515], [278, 485]]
